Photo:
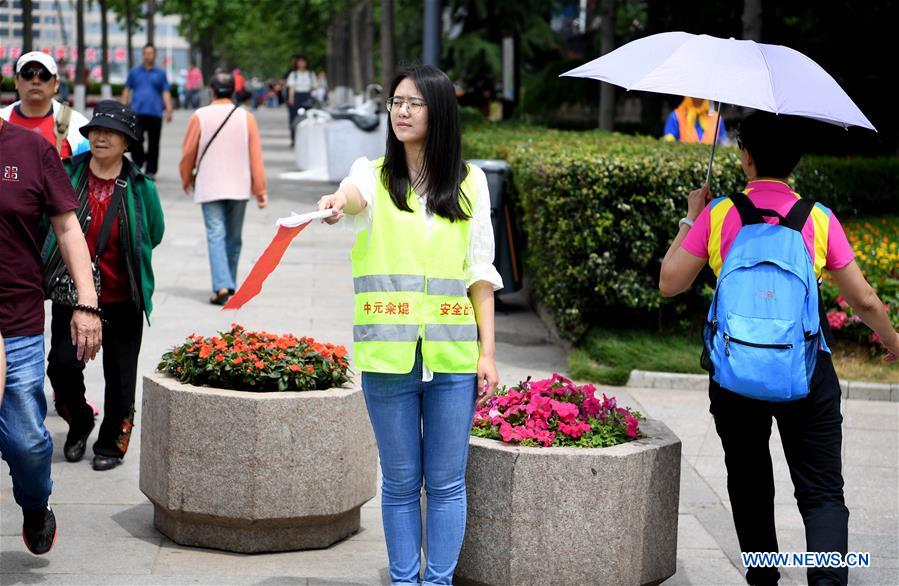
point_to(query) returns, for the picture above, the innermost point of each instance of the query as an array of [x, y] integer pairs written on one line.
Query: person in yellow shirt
[[692, 122]]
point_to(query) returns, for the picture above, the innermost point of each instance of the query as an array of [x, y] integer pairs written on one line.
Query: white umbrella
[[772, 78]]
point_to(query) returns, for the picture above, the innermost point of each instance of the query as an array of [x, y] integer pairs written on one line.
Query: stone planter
[[539, 516], [254, 472]]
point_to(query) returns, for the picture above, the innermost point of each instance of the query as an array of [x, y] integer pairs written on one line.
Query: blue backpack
[[764, 327]]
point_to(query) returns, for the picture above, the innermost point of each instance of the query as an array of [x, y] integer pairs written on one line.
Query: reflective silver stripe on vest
[[385, 333], [448, 287], [388, 283], [451, 333]]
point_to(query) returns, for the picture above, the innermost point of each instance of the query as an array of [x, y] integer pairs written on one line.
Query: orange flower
[[205, 351], [237, 360], [259, 364], [295, 368], [219, 357]]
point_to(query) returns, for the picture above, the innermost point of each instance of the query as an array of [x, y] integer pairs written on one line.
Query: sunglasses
[[31, 72]]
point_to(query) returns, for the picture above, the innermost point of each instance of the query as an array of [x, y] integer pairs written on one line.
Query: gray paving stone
[[692, 535], [705, 566]]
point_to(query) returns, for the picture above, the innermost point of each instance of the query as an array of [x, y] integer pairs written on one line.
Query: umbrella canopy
[[772, 78]]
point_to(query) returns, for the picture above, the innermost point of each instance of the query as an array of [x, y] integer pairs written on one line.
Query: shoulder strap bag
[[196, 169]]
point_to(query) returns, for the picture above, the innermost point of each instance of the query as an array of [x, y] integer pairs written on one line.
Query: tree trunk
[[80, 89], [752, 20], [356, 50], [367, 22], [27, 29], [651, 102], [129, 30], [388, 45], [432, 31], [206, 56], [151, 21], [607, 45], [105, 90]]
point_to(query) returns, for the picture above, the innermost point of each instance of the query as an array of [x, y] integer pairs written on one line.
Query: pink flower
[[837, 319], [841, 301], [539, 406], [875, 339], [566, 411], [632, 423], [575, 430], [591, 405]]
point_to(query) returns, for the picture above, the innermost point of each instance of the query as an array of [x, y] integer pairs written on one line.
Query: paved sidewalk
[[106, 533]]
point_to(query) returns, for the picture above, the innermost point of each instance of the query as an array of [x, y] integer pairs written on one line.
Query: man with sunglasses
[[37, 81]]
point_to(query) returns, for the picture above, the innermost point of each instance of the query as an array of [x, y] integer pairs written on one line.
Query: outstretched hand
[[336, 201]]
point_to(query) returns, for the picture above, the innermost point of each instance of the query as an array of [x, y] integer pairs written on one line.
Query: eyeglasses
[[739, 142], [41, 72], [414, 105]]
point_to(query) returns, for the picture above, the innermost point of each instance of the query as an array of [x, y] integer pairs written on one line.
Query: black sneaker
[[39, 530]]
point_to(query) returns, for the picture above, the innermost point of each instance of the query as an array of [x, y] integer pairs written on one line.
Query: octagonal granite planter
[[254, 472], [541, 516]]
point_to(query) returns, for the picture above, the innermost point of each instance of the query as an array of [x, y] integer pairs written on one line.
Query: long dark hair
[[443, 168]]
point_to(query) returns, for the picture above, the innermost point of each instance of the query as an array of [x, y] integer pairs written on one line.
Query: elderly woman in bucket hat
[[121, 216]]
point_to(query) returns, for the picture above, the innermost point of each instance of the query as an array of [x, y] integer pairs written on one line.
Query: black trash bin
[[507, 258]]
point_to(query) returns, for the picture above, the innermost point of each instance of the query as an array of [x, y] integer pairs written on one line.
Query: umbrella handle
[[708, 175]]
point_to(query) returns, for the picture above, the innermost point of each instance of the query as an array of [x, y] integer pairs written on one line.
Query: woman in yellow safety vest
[[424, 325]]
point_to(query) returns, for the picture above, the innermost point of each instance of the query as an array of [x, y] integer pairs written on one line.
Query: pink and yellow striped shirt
[[716, 227]]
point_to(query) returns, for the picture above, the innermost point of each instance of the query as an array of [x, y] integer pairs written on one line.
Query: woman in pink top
[[229, 171], [810, 428]]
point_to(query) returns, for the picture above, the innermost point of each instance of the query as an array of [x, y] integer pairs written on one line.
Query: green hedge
[[598, 211]]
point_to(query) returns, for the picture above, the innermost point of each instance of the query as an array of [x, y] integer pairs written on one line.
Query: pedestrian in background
[[37, 81], [692, 122], [193, 83], [300, 83], [122, 220], [221, 166], [424, 248], [147, 92]]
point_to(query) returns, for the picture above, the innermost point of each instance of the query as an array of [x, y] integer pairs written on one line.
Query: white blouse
[[479, 261]]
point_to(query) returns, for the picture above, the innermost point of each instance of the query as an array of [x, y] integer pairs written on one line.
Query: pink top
[[830, 252], [194, 79]]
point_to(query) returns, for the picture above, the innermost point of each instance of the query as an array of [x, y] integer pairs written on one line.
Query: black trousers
[[151, 128], [121, 346], [811, 435]]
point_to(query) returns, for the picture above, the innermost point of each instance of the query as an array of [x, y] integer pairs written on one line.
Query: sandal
[[220, 297]]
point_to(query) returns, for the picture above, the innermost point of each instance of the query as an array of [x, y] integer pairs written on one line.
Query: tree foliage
[[258, 36]]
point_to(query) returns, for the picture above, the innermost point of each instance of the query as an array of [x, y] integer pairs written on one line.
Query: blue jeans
[[422, 429], [25, 443], [224, 223]]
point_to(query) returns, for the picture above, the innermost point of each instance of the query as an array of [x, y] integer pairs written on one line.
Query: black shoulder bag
[[62, 290]]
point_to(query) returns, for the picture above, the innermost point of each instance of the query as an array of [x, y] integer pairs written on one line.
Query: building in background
[[54, 23]]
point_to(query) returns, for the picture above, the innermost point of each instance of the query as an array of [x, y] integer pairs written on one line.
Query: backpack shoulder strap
[[798, 214], [749, 214], [62, 125]]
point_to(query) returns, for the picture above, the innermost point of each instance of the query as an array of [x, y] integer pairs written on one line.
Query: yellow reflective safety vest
[[410, 284]]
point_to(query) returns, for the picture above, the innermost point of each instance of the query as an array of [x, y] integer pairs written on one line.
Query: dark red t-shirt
[[113, 273], [33, 182]]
